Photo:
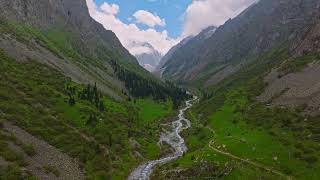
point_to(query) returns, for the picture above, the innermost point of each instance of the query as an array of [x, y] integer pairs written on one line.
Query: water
[[172, 138]]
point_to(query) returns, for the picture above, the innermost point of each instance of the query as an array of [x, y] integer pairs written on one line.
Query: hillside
[[64, 36], [169, 54], [75, 104], [259, 113], [102, 137], [261, 27]]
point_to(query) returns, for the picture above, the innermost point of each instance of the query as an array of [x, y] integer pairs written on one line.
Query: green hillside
[[50, 106]]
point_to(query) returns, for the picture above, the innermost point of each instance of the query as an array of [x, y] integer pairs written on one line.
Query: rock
[[134, 144]]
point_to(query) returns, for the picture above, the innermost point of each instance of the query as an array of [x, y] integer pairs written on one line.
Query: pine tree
[[101, 106], [72, 101]]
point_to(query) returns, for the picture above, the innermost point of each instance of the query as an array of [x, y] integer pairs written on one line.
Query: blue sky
[[171, 10], [161, 23]]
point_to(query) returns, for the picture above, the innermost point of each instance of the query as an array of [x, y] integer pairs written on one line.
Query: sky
[[161, 23]]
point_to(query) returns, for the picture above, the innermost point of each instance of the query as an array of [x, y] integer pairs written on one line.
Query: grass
[[245, 141], [297, 64], [149, 110], [51, 169], [29, 149], [232, 133], [279, 138], [15, 161], [33, 96]]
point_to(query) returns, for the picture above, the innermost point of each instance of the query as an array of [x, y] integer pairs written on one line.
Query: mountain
[[258, 79], [205, 34], [169, 54], [261, 27], [149, 60], [75, 104], [62, 34]]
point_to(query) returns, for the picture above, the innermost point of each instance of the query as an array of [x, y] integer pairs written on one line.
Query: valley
[[172, 138], [235, 101]]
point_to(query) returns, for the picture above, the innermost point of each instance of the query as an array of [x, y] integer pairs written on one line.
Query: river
[[172, 138]]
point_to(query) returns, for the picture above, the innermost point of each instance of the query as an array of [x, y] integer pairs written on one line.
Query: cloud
[[130, 35], [201, 14], [147, 18], [110, 9]]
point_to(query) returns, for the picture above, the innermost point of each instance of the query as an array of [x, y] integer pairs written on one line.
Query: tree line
[[90, 94], [139, 86]]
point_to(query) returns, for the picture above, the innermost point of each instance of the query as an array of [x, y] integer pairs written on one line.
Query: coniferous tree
[[101, 106], [72, 101]]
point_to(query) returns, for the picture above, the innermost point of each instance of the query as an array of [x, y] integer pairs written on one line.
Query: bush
[[29, 149], [51, 169], [310, 159], [11, 172], [297, 155]]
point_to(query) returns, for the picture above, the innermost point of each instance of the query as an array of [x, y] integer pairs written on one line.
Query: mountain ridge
[[241, 39], [63, 35]]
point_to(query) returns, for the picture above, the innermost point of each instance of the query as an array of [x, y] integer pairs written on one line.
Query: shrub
[[29, 149], [50, 169], [310, 159]]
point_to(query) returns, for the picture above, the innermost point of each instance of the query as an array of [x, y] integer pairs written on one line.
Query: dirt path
[[48, 162], [261, 166]]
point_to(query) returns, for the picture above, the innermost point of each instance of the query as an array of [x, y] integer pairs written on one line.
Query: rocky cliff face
[[263, 26]]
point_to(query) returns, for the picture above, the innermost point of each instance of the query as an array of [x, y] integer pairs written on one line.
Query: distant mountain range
[[150, 59]]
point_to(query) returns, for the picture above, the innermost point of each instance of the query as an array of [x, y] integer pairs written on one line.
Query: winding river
[[172, 138]]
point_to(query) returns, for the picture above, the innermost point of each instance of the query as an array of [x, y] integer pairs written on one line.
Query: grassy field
[[233, 134], [269, 137], [149, 110]]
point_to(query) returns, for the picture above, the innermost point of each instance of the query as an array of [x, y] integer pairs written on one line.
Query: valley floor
[[229, 145]]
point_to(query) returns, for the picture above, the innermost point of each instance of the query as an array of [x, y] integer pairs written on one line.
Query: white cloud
[[110, 9], [201, 14], [130, 35], [147, 18]]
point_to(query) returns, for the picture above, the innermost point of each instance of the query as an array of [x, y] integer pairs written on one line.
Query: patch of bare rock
[[48, 162], [299, 89]]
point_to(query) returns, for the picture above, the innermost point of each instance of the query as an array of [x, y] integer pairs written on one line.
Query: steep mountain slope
[[262, 26], [63, 35], [259, 113], [67, 81], [149, 60], [169, 54], [101, 136]]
